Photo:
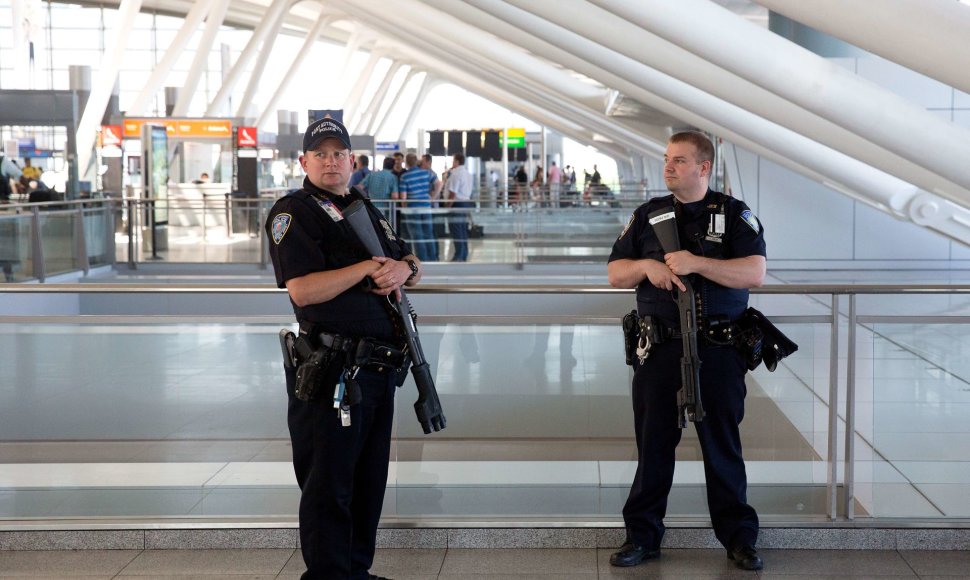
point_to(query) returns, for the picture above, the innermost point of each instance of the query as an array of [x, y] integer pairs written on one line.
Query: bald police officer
[[724, 255], [340, 295]]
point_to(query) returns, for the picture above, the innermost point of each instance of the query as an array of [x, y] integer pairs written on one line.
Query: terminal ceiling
[[621, 74]]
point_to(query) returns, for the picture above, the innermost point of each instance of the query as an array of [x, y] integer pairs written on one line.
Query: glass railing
[[45, 239], [143, 402]]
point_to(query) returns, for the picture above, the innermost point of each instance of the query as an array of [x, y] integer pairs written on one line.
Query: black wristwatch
[[414, 269]]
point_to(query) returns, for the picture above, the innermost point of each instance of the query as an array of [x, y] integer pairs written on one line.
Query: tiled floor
[[465, 564]]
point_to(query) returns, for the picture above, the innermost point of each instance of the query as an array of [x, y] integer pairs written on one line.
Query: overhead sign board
[[515, 138], [387, 146], [246, 136], [111, 135], [200, 128]]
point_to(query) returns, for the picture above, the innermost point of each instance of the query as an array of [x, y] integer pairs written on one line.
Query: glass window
[[73, 16], [138, 60], [71, 38]]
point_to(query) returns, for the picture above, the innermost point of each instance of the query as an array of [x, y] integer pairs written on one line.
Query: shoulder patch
[[626, 228], [281, 223], [751, 220]]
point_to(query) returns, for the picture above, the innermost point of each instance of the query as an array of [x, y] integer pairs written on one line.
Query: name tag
[[331, 209]]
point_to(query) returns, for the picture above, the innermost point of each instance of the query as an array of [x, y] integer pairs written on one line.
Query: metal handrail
[[770, 289]]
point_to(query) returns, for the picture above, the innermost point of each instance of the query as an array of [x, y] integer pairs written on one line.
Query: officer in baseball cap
[[341, 443]]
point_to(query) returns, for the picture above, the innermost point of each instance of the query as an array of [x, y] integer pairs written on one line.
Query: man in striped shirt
[[415, 187]]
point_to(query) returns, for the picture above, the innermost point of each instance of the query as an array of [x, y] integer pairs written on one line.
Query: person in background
[[10, 175], [459, 197], [538, 184], [415, 188], [521, 186], [436, 183], [555, 178], [363, 168], [399, 167], [381, 186], [31, 176]]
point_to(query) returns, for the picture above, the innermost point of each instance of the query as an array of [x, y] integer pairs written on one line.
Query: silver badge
[[388, 231]]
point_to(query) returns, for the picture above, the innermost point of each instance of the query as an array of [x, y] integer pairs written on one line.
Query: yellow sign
[[515, 140], [206, 128]]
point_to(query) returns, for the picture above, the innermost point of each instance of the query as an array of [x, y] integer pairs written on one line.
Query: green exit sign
[[515, 139]]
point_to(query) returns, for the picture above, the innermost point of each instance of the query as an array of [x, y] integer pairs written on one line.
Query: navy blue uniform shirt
[[719, 227]]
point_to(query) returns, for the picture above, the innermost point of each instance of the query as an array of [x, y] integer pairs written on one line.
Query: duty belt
[[365, 353], [717, 333]]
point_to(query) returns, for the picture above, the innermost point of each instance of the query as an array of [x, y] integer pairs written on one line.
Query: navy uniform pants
[[655, 414], [342, 474]]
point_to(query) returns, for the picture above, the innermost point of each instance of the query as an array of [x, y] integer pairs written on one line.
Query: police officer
[[340, 296], [724, 255]]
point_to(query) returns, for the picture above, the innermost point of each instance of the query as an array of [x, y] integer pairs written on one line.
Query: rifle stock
[[689, 404], [427, 407]]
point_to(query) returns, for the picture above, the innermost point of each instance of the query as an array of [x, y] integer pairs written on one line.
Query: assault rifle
[[689, 405], [427, 407]]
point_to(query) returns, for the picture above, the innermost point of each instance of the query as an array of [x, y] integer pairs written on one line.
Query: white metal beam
[[453, 41], [293, 72], [103, 85], [394, 101], [754, 133], [427, 83], [219, 102], [201, 61], [255, 78], [363, 79], [614, 33], [808, 80], [367, 120], [172, 54], [928, 36]]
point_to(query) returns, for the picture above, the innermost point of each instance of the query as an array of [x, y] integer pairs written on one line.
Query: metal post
[[109, 232], [833, 465], [37, 249], [80, 243], [151, 221], [263, 240], [132, 213], [850, 370]]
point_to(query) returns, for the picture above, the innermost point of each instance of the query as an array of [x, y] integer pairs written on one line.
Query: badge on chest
[[715, 228]]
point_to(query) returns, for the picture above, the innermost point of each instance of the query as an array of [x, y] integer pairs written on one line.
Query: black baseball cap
[[322, 129]]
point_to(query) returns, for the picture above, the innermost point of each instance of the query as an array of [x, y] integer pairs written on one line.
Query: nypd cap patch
[[281, 223]]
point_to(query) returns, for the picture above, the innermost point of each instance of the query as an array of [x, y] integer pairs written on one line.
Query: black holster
[[760, 340], [650, 327]]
